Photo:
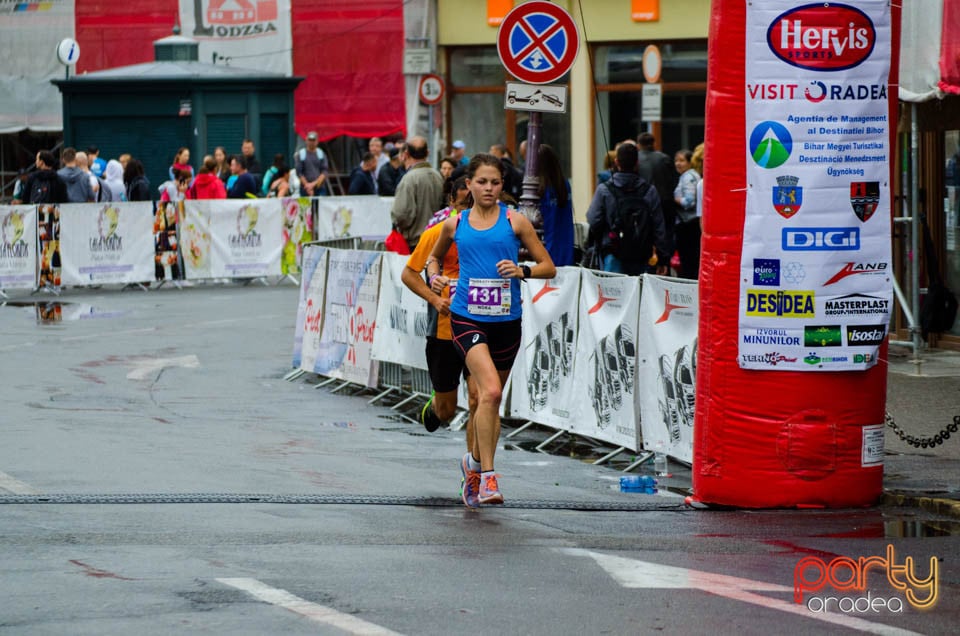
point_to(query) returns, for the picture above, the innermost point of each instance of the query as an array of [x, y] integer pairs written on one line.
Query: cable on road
[[360, 500]]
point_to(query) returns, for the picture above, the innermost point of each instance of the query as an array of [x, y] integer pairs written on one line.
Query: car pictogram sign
[[538, 42]]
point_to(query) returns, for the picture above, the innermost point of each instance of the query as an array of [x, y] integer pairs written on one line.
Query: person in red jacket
[[207, 185]]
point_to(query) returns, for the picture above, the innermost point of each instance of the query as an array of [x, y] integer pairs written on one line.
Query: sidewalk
[[923, 405]]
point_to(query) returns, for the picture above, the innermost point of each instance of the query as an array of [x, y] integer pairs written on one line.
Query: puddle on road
[[53, 312], [919, 528]]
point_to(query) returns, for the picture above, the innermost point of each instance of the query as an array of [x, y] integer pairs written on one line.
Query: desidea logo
[[845, 574]]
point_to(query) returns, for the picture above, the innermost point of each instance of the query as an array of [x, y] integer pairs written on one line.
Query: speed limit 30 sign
[[431, 89]]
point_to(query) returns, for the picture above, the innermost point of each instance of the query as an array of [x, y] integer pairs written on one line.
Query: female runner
[[485, 311]]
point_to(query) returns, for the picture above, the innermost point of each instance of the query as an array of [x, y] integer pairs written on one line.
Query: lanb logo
[[822, 37]]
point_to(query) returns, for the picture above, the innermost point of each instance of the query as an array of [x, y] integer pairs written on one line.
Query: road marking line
[[17, 487], [110, 334], [642, 574], [228, 321], [146, 366], [313, 611]]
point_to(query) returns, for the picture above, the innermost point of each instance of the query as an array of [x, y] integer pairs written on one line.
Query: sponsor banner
[[402, 322], [306, 340], [244, 33], [350, 311], [106, 243], [297, 230], [667, 369], [18, 246], [366, 216], [816, 241], [605, 373], [48, 245], [232, 238], [543, 385], [166, 241]]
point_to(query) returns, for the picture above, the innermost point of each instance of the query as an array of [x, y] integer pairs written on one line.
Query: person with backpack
[[44, 185], [626, 218], [311, 167]]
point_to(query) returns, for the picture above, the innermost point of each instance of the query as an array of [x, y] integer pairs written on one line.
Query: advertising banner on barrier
[[310, 310], [106, 243], [297, 230], [667, 355], [239, 238], [606, 359], [166, 239], [350, 312], [18, 251], [816, 287], [543, 386], [48, 240], [365, 216], [400, 335]]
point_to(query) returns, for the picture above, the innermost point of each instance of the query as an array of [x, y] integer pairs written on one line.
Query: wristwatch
[[526, 271]]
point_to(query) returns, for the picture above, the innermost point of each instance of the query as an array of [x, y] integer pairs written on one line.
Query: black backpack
[[631, 230], [41, 192]]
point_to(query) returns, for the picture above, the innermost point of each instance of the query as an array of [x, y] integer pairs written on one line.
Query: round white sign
[[652, 64], [68, 51]]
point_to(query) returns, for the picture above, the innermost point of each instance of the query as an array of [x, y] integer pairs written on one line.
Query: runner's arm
[[544, 267], [414, 281]]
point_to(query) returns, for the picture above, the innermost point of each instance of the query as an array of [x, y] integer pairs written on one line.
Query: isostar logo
[[852, 269], [780, 304], [772, 359], [822, 336], [787, 196], [822, 37], [864, 197], [669, 307], [820, 239], [234, 18], [865, 335], [766, 272]]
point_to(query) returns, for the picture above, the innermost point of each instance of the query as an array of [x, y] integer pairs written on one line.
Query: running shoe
[[489, 490], [428, 418], [470, 484]]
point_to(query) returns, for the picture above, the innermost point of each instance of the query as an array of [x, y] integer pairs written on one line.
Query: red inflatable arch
[[772, 438]]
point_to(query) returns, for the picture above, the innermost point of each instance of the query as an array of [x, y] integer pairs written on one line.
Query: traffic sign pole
[[537, 43]]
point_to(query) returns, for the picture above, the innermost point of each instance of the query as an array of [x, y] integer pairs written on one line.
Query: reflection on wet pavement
[[52, 312]]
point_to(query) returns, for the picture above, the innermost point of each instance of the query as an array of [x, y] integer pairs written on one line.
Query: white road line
[[642, 574], [110, 334], [16, 486], [318, 613], [228, 321], [147, 366]]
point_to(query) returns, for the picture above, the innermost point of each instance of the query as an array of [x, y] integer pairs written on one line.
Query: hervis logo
[[822, 37]]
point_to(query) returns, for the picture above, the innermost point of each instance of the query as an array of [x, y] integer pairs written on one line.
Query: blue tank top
[[481, 294]]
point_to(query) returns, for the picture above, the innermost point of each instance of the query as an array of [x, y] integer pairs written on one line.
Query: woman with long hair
[[688, 221], [556, 207], [181, 162], [485, 312]]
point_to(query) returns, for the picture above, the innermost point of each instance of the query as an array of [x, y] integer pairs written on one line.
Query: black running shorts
[[503, 338], [444, 364]]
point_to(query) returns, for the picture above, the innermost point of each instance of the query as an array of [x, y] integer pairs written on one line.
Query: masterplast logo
[[846, 574], [822, 37]]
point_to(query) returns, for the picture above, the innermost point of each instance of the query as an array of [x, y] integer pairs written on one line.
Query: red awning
[[352, 58]]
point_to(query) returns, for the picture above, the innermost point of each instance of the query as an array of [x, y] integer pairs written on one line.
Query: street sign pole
[[530, 199], [537, 43]]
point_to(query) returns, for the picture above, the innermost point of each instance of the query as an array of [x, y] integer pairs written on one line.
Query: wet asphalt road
[[179, 392]]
